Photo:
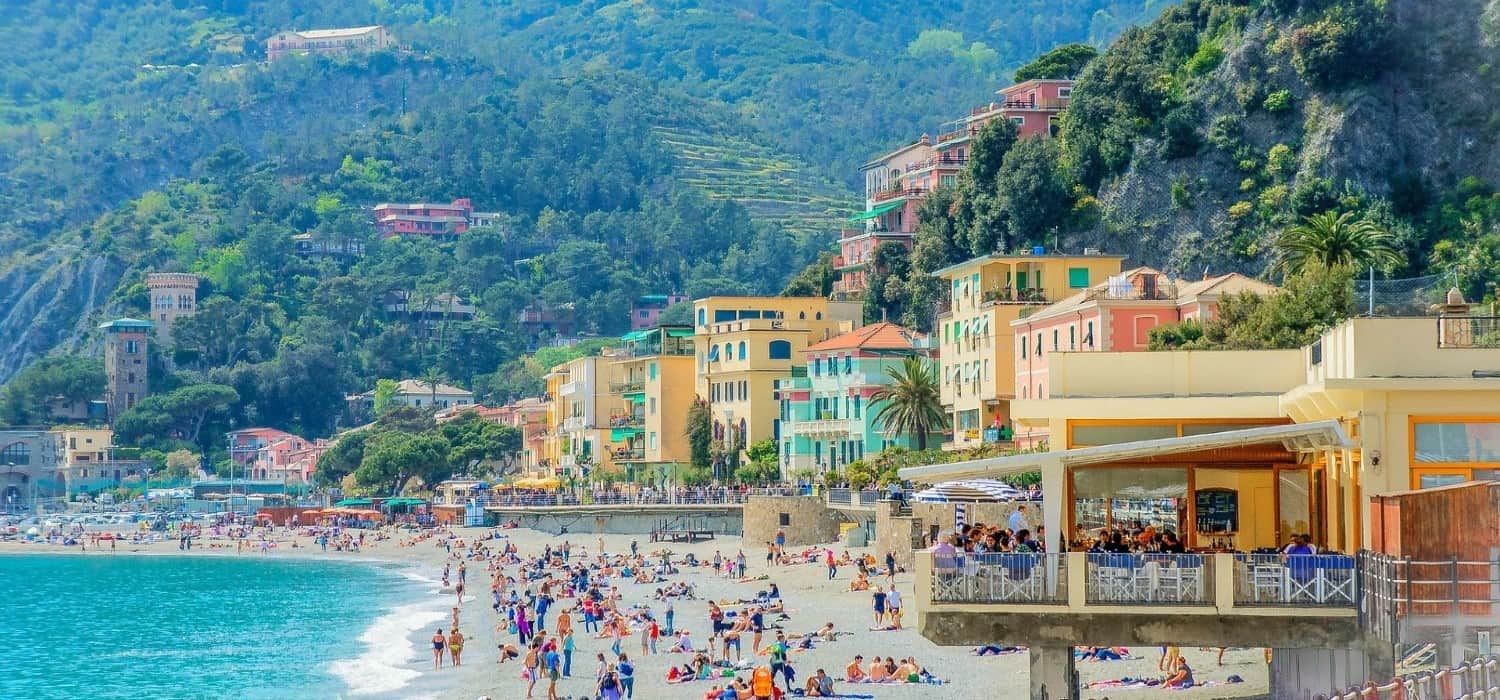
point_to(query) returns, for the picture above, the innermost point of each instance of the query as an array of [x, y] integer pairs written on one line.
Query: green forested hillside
[[632, 147]]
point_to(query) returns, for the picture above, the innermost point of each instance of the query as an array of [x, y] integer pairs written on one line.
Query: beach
[[396, 661]]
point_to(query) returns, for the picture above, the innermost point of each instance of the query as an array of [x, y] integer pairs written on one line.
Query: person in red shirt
[[833, 566]]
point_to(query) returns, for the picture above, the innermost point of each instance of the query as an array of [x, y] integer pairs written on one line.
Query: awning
[[679, 332], [877, 211], [1297, 437], [970, 491], [354, 502], [636, 335]]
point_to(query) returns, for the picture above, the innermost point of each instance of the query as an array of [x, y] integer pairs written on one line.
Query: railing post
[[1455, 597]]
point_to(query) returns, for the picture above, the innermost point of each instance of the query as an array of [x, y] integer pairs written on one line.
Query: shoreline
[[393, 659]]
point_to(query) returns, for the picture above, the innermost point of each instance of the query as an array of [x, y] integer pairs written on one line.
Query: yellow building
[[654, 387], [578, 434], [1246, 448], [744, 344], [976, 345]]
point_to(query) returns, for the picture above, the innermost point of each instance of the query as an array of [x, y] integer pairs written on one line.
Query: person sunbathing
[[878, 671], [860, 583], [854, 672], [908, 671]]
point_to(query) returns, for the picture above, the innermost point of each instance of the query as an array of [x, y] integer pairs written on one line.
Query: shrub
[[1279, 101], [1207, 58], [1273, 198], [1240, 210], [1341, 46], [1281, 161], [1181, 198]]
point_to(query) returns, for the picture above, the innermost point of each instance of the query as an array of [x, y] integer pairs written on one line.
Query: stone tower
[[125, 364], [173, 295]]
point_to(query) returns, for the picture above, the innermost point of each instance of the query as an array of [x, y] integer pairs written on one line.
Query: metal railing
[[1476, 679], [1130, 579], [1323, 580], [568, 498], [1397, 594], [629, 453], [627, 387], [895, 192], [1469, 332], [1000, 578]]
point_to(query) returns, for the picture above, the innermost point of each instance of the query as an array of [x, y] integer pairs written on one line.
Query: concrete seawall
[[724, 519]]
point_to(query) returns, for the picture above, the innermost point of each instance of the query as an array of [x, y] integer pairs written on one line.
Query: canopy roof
[[968, 491], [1297, 437], [877, 211], [355, 502]]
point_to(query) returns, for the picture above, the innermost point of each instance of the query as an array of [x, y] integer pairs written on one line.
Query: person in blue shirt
[[626, 671], [1017, 520]]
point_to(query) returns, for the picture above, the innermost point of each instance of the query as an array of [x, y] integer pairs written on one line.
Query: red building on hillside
[[445, 221]]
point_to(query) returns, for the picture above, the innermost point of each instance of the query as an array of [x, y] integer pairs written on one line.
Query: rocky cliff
[[1420, 114]]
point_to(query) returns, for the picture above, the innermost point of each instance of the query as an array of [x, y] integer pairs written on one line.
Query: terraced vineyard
[[771, 185]]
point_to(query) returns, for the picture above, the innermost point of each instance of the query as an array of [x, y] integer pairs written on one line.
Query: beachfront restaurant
[[1236, 452]]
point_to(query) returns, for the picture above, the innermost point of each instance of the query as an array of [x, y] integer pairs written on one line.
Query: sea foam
[[384, 665]]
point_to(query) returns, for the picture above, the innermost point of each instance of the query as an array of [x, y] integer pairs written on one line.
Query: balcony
[[828, 426], [954, 161], [633, 421], [575, 424], [898, 192], [628, 387], [629, 454], [1059, 599]]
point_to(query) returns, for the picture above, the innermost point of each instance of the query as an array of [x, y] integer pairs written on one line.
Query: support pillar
[[1302, 674], [1053, 676]]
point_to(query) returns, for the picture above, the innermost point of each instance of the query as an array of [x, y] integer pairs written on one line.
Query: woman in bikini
[[438, 642], [456, 646]]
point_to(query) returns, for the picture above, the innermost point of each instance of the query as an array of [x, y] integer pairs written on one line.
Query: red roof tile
[[876, 336]]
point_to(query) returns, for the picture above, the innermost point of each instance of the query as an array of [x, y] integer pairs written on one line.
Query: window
[[651, 371], [1455, 442], [1054, 340], [784, 519], [728, 352], [856, 406], [986, 370], [1088, 337], [848, 364], [132, 347], [16, 453], [779, 350], [1064, 92], [1078, 277], [1019, 120], [744, 390], [817, 366], [652, 439], [1023, 348], [702, 317], [1039, 345], [818, 316], [653, 405], [742, 349]]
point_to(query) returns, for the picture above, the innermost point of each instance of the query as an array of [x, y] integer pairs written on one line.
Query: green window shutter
[[1078, 277]]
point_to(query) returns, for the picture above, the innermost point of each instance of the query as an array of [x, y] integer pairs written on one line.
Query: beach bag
[[761, 682], [512, 626]]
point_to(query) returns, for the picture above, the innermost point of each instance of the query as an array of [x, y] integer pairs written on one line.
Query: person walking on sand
[[833, 565], [531, 668], [626, 672], [553, 673], [438, 642], [879, 607], [893, 607], [456, 646], [567, 650]]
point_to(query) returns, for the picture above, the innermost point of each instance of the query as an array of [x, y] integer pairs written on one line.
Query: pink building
[[268, 453], [424, 219], [645, 312], [1115, 316], [856, 258]]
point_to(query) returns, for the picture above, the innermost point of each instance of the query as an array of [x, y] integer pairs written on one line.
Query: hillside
[[1388, 107]]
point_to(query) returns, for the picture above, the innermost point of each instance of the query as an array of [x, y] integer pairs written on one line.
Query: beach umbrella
[[968, 491]]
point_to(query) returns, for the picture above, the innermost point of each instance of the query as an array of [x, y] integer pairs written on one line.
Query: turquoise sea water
[[205, 627]]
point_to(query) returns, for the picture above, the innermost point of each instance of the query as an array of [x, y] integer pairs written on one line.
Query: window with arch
[[801, 315], [702, 317], [17, 453], [742, 349], [729, 351], [779, 350], [818, 316]]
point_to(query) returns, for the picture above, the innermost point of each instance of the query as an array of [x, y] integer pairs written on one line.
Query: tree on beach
[[474, 442], [392, 459], [913, 404]]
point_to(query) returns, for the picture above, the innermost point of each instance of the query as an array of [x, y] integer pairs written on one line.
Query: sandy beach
[[398, 663]]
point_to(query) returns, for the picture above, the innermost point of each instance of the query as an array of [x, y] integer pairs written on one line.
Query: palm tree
[[913, 403], [1330, 239]]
